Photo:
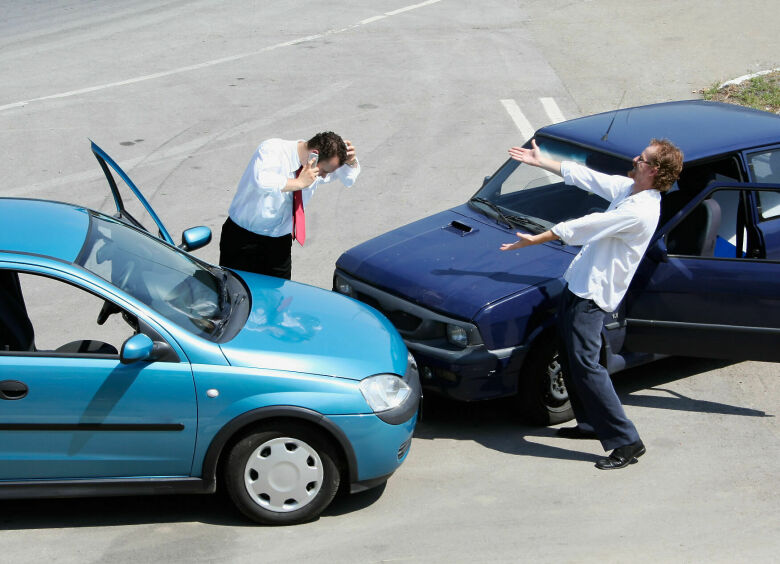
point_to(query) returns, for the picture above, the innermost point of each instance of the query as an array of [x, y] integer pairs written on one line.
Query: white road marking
[[412, 7], [525, 127], [552, 110], [214, 62]]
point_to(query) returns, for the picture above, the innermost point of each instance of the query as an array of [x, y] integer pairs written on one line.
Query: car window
[[47, 315], [713, 228], [173, 283], [765, 169], [530, 192]]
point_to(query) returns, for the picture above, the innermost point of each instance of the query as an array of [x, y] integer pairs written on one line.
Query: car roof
[[699, 128], [42, 227]]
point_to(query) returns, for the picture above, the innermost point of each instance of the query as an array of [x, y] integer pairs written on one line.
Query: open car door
[[192, 238], [122, 213], [716, 299]]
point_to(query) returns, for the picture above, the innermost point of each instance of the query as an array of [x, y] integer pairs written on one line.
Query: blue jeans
[[593, 398]]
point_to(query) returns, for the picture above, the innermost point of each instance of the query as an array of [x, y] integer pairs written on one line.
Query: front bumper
[[379, 448], [477, 374], [381, 441], [471, 373]]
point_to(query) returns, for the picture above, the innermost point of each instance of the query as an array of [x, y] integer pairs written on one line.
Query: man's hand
[[308, 174], [351, 156], [530, 156], [526, 240], [533, 157]]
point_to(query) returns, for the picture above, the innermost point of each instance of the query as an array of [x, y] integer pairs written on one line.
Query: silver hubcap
[[557, 387], [283, 474]]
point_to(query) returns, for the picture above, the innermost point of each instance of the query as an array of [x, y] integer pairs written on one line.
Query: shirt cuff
[[562, 231]]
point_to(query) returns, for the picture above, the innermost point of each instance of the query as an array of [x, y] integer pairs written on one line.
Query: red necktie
[[299, 219]]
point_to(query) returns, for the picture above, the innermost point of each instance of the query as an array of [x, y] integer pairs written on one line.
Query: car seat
[[695, 235]]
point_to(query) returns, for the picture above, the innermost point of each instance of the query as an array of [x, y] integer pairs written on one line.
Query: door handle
[[13, 389]]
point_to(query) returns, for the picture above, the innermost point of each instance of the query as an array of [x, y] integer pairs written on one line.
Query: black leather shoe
[[574, 433], [622, 456]]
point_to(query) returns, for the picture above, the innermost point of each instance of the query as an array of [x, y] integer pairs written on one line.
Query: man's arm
[[349, 171], [533, 157], [527, 240]]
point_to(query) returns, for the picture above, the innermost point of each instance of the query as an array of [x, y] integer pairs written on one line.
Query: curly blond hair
[[669, 161]]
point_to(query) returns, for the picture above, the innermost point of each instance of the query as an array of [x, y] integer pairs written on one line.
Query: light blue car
[[128, 366]]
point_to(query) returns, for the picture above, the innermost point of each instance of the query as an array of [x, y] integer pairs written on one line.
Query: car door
[[143, 215], [764, 168], [723, 304], [69, 408]]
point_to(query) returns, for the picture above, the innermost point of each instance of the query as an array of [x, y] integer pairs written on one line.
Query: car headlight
[[343, 287], [384, 391], [457, 335]]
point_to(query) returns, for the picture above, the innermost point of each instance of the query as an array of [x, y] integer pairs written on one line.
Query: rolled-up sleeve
[[346, 174], [597, 226]]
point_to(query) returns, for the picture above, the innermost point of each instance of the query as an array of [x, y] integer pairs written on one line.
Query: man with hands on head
[[613, 243], [267, 211]]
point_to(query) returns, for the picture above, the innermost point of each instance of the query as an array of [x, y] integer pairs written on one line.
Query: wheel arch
[[240, 425]]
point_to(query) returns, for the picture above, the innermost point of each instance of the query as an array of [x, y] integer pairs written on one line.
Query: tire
[[282, 475], [542, 395]]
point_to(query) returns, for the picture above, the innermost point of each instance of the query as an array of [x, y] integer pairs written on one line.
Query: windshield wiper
[[493, 207], [527, 222], [224, 305]]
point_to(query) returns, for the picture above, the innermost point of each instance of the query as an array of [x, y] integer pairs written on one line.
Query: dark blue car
[[481, 323]]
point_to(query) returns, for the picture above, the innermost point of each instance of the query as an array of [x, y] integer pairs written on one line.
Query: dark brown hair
[[329, 145]]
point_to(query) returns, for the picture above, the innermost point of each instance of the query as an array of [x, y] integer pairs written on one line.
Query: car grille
[[403, 321]]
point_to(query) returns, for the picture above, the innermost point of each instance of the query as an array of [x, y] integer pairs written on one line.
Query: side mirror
[[195, 238], [138, 347], [486, 180], [658, 252]]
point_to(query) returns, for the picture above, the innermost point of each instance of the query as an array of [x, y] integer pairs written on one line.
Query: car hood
[[300, 328], [451, 262]]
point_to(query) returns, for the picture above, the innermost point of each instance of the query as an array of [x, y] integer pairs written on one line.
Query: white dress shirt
[[260, 205], [614, 241]]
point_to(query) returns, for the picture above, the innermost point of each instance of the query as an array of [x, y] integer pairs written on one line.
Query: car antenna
[[606, 133]]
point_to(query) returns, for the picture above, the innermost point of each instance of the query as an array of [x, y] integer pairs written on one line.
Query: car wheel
[[542, 393], [282, 476]]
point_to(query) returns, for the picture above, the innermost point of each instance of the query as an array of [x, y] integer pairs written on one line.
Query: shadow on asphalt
[[112, 511], [216, 509], [497, 424]]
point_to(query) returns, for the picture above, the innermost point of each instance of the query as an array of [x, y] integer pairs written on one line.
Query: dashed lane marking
[[522, 123], [552, 110]]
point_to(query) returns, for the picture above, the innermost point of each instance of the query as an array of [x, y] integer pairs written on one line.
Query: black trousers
[[593, 398], [241, 249]]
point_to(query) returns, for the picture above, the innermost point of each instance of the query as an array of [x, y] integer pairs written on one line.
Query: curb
[[741, 79]]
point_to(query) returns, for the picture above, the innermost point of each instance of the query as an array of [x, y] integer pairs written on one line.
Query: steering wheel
[[108, 309]]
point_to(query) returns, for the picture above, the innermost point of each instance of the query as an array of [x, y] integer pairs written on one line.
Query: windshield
[[171, 282], [527, 196]]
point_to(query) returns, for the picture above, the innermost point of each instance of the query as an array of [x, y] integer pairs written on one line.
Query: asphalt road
[[432, 95]]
